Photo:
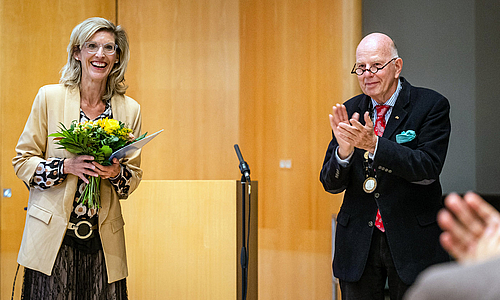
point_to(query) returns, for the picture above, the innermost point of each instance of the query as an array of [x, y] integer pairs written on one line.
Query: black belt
[[82, 230]]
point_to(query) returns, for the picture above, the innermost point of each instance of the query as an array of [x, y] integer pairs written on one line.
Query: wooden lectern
[[184, 240]]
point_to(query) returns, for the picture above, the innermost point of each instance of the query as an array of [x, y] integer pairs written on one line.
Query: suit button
[[370, 223], [377, 195]]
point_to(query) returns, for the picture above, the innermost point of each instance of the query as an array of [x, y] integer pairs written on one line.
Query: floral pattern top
[[49, 173]]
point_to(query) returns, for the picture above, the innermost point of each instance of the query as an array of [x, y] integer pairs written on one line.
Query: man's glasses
[[373, 69], [93, 47]]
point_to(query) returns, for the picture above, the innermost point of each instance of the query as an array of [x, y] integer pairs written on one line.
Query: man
[[389, 168], [472, 235]]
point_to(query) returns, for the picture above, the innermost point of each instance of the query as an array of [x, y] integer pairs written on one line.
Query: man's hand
[[339, 116], [471, 228], [359, 135], [363, 136]]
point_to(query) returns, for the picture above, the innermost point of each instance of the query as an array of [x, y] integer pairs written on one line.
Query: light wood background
[[212, 73], [196, 224], [292, 72]]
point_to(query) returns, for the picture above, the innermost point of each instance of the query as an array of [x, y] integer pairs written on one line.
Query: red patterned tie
[[379, 130]]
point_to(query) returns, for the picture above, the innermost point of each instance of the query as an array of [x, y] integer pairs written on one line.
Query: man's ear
[[399, 66]]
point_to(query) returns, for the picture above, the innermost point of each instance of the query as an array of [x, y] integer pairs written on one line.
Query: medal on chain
[[370, 183]]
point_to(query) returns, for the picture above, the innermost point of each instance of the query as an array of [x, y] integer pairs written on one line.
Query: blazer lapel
[[399, 113], [118, 107], [364, 105], [70, 114], [72, 106], [119, 113]]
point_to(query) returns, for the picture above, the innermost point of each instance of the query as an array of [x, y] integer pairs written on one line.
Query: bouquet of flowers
[[98, 139]]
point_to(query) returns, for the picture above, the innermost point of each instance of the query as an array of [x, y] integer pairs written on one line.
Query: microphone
[[244, 168]]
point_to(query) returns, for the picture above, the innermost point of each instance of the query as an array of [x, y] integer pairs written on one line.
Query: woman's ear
[[76, 53]]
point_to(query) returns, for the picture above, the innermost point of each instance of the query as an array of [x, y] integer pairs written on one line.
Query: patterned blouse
[[49, 173]]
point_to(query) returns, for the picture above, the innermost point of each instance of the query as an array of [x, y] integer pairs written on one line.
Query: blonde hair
[[71, 73]]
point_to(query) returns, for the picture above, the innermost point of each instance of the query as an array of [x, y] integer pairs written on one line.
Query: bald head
[[379, 42]]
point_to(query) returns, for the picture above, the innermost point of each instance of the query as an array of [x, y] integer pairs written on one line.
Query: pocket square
[[405, 136]]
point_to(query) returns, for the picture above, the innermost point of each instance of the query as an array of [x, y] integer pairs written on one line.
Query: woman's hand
[[108, 171], [80, 166], [85, 165]]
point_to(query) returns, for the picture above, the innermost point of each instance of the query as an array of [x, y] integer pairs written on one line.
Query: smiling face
[[97, 66], [377, 50]]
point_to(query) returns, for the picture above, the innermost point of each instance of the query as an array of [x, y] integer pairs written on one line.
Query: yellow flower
[[124, 133], [109, 125]]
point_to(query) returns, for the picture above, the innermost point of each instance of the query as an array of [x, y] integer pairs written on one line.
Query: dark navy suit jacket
[[408, 193]]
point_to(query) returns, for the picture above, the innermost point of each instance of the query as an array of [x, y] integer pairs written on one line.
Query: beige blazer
[[49, 210]]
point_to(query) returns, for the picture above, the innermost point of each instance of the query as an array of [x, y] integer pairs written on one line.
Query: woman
[[69, 250]]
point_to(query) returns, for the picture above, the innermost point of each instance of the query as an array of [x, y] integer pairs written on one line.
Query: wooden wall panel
[[34, 36], [184, 71], [293, 70]]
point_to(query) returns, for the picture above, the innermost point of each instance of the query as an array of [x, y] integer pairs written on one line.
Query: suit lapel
[[364, 105], [399, 113]]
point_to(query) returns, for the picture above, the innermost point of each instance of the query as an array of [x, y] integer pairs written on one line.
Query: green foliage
[[98, 139], [91, 139]]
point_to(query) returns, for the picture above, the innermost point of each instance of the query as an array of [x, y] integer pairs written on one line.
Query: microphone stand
[[245, 181]]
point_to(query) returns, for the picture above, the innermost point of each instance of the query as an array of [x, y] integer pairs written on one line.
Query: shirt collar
[[393, 98]]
